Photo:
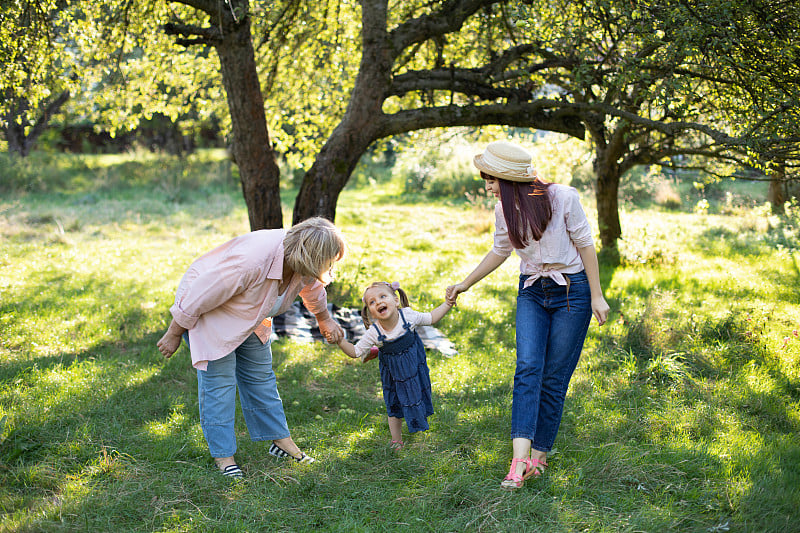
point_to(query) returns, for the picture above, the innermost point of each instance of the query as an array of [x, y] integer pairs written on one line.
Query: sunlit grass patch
[[683, 413]]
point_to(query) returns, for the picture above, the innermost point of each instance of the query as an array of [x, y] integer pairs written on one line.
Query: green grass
[[684, 413]]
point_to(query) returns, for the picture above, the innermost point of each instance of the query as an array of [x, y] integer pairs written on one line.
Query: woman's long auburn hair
[[526, 208]]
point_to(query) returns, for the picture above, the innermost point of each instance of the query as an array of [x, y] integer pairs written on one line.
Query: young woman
[[223, 307], [559, 291]]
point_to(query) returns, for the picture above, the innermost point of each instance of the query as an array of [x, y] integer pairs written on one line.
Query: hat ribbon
[[503, 165]]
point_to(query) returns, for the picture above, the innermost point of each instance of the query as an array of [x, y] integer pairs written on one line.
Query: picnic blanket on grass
[[299, 324]]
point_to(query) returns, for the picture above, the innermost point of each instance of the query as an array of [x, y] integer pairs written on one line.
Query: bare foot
[[224, 462], [288, 446]]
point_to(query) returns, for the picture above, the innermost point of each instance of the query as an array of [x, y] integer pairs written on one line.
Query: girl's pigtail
[[365, 318], [403, 297]]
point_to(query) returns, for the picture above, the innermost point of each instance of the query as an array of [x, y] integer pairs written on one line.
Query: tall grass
[[683, 415]]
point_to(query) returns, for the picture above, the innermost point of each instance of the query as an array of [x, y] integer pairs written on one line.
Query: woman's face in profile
[[492, 187], [327, 275]]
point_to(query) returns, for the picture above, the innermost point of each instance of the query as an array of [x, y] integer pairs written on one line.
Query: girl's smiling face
[[381, 303]]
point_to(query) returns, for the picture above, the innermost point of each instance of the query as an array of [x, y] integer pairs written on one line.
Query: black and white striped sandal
[[277, 451], [233, 472]]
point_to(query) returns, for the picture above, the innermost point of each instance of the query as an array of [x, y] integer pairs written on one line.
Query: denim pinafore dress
[[405, 377]]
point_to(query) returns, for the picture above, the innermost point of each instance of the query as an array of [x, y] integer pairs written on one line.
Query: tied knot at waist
[[555, 275]]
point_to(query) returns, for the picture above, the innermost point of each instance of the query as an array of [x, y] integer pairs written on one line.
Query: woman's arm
[[316, 300], [488, 265], [600, 308]]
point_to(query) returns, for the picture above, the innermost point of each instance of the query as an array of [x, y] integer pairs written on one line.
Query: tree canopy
[[321, 82]]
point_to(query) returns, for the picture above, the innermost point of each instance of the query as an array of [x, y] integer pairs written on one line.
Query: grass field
[[683, 415]]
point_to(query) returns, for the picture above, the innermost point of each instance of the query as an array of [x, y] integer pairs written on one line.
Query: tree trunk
[[18, 141], [360, 126], [324, 181], [15, 135], [251, 147], [607, 196], [777, 189]]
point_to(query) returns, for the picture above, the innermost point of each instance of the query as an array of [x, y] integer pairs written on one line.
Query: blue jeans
[[552, 322], [250, 368]]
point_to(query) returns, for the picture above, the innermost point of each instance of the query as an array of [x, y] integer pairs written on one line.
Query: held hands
[[452, 292], [331, 331]]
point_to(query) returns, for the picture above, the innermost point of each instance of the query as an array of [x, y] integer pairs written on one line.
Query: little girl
[[403, 364]]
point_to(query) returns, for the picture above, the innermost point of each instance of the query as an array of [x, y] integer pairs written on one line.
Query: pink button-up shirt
[[556, 253], [229, 292]]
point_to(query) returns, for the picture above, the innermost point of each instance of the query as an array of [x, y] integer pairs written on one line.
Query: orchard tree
[[226, 26], [644, 84], [39, 69], [632, 76], [752, 44], [428, 65]]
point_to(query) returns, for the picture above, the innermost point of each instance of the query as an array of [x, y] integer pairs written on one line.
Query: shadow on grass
[[92, 305], [120, 425], [627, 446], [124, 449]]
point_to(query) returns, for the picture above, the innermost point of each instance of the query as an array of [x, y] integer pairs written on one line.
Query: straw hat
[[505, 160]]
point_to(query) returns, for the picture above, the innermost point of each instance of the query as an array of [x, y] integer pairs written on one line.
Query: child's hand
[[373, 353]]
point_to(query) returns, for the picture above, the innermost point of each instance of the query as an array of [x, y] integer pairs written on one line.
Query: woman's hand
[[452, 292], [600, 309], [331, 330], [168, 344]]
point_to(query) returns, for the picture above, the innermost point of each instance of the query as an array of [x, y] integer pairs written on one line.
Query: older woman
[[559, 291], [223, 307]]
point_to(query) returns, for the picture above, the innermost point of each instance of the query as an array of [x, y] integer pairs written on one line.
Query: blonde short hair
[[311, 246]]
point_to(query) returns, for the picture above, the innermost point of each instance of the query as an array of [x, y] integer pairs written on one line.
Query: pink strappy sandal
[[533, 467]]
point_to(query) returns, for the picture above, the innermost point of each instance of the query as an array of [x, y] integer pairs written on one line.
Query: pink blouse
[[556, 253], [229, 292]]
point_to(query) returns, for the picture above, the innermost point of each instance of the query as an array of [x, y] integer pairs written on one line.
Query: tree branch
[[479, 81], [668, 128], [47, 112], [465, 81], [449, 18], [520, 114], [193, 34]]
